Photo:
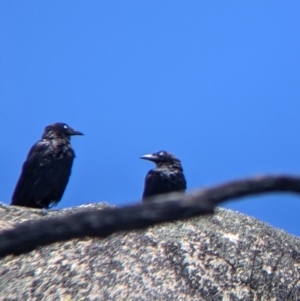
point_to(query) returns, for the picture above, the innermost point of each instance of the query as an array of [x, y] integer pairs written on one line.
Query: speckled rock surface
[[226, 256]]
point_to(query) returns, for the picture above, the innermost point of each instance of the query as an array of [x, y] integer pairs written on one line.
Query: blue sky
[[216, 83]]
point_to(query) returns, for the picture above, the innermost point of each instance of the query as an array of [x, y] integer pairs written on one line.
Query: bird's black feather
[[45, 173], [166, 177]]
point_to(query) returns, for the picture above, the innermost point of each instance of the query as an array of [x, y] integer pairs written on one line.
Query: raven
[[166, 177], [45, 173]]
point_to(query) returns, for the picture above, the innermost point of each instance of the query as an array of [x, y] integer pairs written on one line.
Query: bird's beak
[[149, 157], [72, 132]]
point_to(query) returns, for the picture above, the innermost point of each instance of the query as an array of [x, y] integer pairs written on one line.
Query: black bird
[[166, 177], [47, 168]]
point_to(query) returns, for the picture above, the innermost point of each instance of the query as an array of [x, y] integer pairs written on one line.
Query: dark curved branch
[[102, 223]]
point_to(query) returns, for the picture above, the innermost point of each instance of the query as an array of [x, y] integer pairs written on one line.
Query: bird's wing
[[44, 176], [23, 192], [177, 181], [153, 183], [158, 182]]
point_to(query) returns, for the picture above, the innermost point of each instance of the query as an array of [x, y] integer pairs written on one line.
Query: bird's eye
[[65, 126], [161, 153]]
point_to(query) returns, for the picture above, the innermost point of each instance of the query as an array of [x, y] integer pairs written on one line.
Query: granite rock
[[224, 256]]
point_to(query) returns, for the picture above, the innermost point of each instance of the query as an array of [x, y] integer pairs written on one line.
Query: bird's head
[[161, 157], [60, 130]]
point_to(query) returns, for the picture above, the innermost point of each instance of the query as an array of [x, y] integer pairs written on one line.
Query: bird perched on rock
[[166, 177], [47, 168]]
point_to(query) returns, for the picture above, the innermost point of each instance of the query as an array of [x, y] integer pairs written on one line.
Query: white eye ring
[[161, 153], [65, 126]]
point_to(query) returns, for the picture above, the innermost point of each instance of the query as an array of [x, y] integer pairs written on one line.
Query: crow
[[166, 177], [47, 168]]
